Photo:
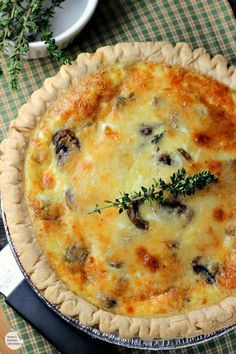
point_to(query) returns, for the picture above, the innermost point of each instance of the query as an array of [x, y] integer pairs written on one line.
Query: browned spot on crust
[[138, 78], [202, 139], [47, 226], [219, 131], [172, 297], [48, 180], [45, 212], [112, 134], [129, 309], [149, 261], [214, 166], [213, 239], [228, 276], [87, 102], [219, 214], [120, 286]]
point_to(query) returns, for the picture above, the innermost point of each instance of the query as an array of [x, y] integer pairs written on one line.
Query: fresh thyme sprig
[[21, 21], [53, 50], [160, 191]]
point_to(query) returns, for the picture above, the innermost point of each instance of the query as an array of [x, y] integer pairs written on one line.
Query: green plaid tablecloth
[[203, 23]]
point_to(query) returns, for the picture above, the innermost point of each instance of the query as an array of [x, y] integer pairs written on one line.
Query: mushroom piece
[[135, 218], [202, 270], [179, 209], [107, 301], [185, 154], [110, 303], [175, 205], [115, 264], [154, 102], [64, 141], [173, 120], [70, 199], [172, 244], [121, 100], [76, 253], [165, 159], [145, 130]]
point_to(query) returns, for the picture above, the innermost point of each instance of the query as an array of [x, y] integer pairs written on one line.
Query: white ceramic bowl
[[66, 24]]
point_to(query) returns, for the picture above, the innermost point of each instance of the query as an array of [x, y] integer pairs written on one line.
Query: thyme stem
[[160, 191]]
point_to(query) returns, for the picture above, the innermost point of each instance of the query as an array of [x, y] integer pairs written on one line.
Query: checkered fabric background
[[203, 23]]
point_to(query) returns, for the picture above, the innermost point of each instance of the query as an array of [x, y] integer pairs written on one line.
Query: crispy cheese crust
[[98, 140]]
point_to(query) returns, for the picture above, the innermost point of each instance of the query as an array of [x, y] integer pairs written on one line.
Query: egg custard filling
[[116, 131]]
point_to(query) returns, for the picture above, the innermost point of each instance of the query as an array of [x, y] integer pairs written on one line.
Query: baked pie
[[118, 184]]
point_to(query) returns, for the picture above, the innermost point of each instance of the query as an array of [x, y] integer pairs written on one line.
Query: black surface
[[233, 5], [3, 239], [63, 336]]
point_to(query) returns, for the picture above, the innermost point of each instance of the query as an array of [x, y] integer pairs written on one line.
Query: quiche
[[87, 147]]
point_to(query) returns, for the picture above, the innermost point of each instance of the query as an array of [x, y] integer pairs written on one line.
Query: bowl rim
[[76, 27]]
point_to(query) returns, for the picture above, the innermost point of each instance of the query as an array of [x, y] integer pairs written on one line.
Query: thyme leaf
[[53, 50], [160, 191], [157, 138]]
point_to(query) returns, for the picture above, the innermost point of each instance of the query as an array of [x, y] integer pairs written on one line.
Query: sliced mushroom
[[121, 100], [116, 264], [145, 130], [110, 303], [179, 209], [107, 301], [173, 244], [76, 253], [70, 199], [188, 215], [154, 102], [87, 123], [165, 159], [64, 141], [175, 205], [185, 154], [201, 269], [173, 120], [135, 218]]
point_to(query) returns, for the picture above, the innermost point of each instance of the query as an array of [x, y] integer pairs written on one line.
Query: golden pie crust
[[34, 261]]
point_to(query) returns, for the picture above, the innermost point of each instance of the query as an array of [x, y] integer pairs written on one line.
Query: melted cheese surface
[[104, 258]]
